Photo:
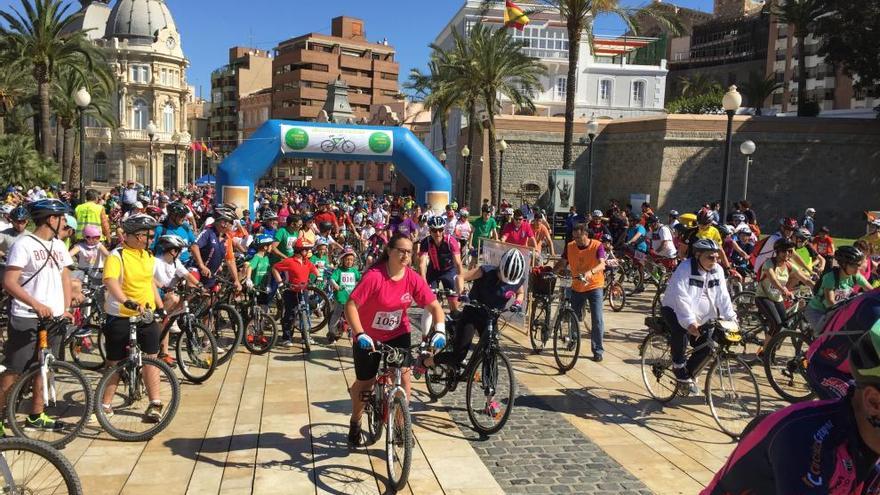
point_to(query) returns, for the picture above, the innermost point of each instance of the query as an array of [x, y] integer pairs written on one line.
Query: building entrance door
[[169, 172]]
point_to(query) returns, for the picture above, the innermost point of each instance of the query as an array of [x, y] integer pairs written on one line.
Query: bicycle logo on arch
[[334, 143]]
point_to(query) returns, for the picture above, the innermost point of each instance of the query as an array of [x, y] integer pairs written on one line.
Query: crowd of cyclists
[[374, 256]]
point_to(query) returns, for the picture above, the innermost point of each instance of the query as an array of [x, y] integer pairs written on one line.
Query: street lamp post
[[151, 133], [502, 147], [466, 154], [731, 102], [592, 131], [82, 98], [747, 148], [175, 138]]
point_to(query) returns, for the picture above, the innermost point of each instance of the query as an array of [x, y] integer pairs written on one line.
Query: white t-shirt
[[657, 240], [165, 273], [89, 257], [30, 254]]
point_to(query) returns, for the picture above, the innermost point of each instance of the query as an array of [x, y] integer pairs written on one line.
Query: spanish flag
[[514, 16], [203, 147]]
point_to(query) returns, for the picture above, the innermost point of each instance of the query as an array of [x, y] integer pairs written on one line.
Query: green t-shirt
[[483, 228], [286, 240], [320, 262], [259, 270], [346, 279], [765, 286], [842, 289]]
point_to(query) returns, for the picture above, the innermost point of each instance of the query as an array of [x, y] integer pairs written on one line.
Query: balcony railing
[[105, 133]]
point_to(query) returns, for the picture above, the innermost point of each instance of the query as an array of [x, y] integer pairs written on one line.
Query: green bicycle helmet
[[864, 357]]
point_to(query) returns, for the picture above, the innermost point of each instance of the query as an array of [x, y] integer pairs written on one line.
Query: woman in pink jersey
[[376, 312]]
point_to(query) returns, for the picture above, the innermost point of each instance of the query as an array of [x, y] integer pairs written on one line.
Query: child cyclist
[[297, 268], [167, 271], [342, 281]]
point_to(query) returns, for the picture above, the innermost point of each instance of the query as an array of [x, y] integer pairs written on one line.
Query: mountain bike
[[566, 328], [124, 417], [337, 143], [195, 348], [731, 388], [542, 284], [614, 293], [491, 387], [217, 313], [387, 407], [56, 388], [301, 314], [86, 345], [29, 467], [260, 329]]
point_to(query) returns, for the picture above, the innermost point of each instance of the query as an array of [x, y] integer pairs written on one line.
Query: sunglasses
[[712, 256], [436, 231]]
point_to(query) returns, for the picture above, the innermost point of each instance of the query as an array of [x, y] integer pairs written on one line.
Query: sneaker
[[42, 422], [170, 361], [597, 358], [493, 409], [82, 332], [153, 414], [174, 329], [354, 434], [332, 337], [107, 410], [287, 343]]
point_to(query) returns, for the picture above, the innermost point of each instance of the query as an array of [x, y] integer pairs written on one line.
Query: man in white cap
[[808, 222]]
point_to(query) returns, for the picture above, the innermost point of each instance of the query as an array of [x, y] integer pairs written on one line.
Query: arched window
[[140, 115], [638, 93], [168, 118], [100, 173]]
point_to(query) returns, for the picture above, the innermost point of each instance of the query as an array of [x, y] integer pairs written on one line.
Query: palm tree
[[579, 16], [14, 88], [698, 84], [800, 15], [42, 38], [489, 65], [758, 89], [429, 89], [20, 164]]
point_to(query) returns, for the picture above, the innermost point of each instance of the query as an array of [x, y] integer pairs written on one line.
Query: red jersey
[[297, 270], [326, 217]]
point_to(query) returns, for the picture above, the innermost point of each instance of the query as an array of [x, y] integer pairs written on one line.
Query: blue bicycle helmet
[[19, 214], [263, 240], [47, 208]]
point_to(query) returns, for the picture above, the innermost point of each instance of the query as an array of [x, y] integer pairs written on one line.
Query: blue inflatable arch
[[240, 171]]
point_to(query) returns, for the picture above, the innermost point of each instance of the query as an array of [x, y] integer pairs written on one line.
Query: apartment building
[[249, 70], [303, 66]]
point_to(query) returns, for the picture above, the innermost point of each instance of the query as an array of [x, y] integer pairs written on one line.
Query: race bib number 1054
[[387, 321]]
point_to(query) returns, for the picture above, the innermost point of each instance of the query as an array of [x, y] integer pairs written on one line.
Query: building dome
[[139, 21]]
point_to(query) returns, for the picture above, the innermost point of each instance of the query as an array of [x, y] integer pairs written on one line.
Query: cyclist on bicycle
[[38, 281], [485, 227], [19, 218], [774, 280], [661, 242], [805, 250], [213, 247], [836, 286], [827, 447], [169, 271], [440, 261], [298, 268], [493, 286], [343, 281], [131, 288], [175, 224], [695, 294], [377, 312]]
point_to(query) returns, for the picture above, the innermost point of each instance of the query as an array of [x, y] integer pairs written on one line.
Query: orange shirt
[[581, 261]]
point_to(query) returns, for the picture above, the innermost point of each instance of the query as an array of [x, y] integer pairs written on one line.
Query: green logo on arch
[[296, 139], [380, 142]]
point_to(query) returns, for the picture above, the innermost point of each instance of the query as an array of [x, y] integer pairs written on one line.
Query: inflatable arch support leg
[[240, 171]]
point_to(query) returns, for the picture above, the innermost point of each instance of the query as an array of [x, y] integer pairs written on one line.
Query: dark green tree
[[851, 39]]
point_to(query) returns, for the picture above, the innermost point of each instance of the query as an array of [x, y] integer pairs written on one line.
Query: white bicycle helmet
[[437, 223], [512, 267]]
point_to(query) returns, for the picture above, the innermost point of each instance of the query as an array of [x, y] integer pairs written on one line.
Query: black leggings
[[679, 341], [773, 311], [466, 327]]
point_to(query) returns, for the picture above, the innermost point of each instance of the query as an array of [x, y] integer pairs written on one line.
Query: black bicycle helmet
[[269, 215], [139, 223], [651, 220], [325, 226], [167, 242], [849, 255], [724, 230], [802, 234], [47, 208], [177, 209], [704, 245], [19, 214]]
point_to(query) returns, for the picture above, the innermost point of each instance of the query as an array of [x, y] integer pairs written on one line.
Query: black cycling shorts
[[366, 365], [444, 279], [116, 338], [21, 344]]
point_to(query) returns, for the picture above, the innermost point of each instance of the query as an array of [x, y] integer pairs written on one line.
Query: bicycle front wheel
[[124, 389], [538, 331], [733, 395], [655, 355], [785, 363], [616, 296], [566, 341], [226, 325], [196, 352], [29, 466], [260, 334], [437, 380], [399, 442], [319, 308], [490, 393], [88, 351], [70, 408]]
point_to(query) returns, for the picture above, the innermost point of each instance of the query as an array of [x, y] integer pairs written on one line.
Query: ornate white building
[[143, 47]]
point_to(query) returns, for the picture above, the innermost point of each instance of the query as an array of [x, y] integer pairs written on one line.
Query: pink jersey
[[519, 236], [382, 302]]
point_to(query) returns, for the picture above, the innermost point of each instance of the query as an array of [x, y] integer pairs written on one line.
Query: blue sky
[[209, 27]]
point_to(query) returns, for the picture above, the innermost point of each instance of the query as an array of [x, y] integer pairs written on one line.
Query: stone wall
[[832, 165]]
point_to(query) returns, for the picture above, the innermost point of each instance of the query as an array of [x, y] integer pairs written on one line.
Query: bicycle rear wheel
[[733, 394], [490, 393], [437, 380], [88, 351], [226, 325], [34, 467], [616, 296], [260, 333], [538, 331], [72, 405], [656, 302], [129, 400], [750, 321], [399, 442], [655, 355], [196, 352], [319, 308], [566, 340], [785, 363]]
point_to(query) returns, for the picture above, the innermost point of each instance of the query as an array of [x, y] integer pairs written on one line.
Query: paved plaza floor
[[278, 423]]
